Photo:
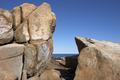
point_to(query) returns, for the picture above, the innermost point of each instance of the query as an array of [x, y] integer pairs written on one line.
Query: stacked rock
[[25, 41]]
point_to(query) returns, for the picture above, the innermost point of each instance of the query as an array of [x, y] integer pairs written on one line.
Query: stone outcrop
[[26, 42], [98, 60], [6, 31]]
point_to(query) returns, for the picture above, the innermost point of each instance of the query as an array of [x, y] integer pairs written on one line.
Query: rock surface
[[5, 75], [40, 22], [17, 17], [98, 60], [26, 42], [22, 33], [6, 22], [50, 75]]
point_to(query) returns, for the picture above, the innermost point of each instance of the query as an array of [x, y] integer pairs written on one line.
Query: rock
[[11, 59], [5, 75], [34, 78], [44, 52], [26, 44], [22, 33], [98, 60], [6, 21], [17, 17], [40, 22], [20, 13], [27, 9], [11, 50], [53, 25], [50, 75], [13, 65], [30, 56]]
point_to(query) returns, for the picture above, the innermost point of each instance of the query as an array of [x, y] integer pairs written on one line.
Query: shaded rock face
[[98, 60], [26, 42]]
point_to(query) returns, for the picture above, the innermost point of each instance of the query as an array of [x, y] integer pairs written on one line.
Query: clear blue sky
[[99, 19]]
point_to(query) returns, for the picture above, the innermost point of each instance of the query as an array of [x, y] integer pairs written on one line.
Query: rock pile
[[26, 48], [98, 60], [26, 42]]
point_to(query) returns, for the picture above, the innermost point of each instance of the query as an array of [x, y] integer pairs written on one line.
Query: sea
[[61, 55]]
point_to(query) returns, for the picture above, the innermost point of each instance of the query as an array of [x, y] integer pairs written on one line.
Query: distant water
[[62, 55]]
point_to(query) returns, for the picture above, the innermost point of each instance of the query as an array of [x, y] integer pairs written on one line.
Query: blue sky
[[99, 19]]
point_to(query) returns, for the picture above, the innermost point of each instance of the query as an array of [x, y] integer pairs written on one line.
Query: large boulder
[[98, 60], [20, 13], [40, 22], [6, 31], [27, 9], [11, 60]]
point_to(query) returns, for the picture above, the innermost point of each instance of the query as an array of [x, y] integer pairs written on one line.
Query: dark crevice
[[71, 64], [23, 60], [21, 14]]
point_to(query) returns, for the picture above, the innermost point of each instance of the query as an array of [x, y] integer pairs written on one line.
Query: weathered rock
[[44, 52], [40, 22], [53, 24], [50, 75], [32, 27], [11, 59], [5, 75], [27, 9], [98, 60], [22, 33], [34, 78], [6, 21], [17, 17], [13, 65], [30, 59], [20, 13], [11, 50]]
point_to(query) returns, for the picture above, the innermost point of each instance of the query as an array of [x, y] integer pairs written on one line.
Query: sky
[[98, 19]]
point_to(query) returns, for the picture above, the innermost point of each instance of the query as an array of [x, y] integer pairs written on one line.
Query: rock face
[[40, 22], [50, 75], [11, 60], [22, 33], [98, 60], [6, 31], [26, 42]]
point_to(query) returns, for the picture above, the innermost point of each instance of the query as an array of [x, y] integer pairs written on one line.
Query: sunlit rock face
[[6, 31], [26, 44], [98, 60]]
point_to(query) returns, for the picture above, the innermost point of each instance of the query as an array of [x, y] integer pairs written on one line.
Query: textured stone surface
[[6, 21], [44, 52], [11, 50], [30, 55], [20, 13], [13, 66], [50, 75], [26, 44], [11, 60], [27, 9], [39, 23], [5, 75], [98, 60], [17, 17], [22, 33]]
